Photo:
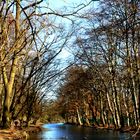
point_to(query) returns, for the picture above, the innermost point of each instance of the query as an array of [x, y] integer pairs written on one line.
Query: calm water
[[61, 131]]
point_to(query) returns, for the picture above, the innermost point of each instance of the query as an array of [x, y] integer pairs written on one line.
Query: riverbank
[[123, 129], [23, 134], [133, 130]]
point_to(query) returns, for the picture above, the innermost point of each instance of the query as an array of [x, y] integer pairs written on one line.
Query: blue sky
[[65, 5], [58, 5]]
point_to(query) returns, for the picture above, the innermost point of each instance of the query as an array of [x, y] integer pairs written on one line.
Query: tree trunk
[[79, 117], [86, 113], [111, 109], [9, 82], [127, 110], [102, 112]]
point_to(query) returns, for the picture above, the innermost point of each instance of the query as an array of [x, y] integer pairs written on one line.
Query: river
[[62, 131]]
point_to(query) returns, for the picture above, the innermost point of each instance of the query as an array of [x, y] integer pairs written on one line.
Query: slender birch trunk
[[79, 117], [86, 113], [116, 106], [126, 109], [102, 112], [111, 109]]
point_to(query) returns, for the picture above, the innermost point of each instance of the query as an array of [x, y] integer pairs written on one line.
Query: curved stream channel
[[62, 131]]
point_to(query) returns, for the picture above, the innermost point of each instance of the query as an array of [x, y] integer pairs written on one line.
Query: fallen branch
[[134, 135]]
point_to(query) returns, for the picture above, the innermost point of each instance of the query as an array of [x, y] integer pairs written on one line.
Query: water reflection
[[62, 131], [55, 131]]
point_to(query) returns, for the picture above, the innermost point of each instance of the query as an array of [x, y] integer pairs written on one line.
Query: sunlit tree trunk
[[136, 63], [79, 116], [116, 106], [126, 108], [111, 109], [86, 106], [9, 80], [102, 111]]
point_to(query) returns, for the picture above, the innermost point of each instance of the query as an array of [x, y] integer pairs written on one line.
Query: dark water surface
[[62, 131]]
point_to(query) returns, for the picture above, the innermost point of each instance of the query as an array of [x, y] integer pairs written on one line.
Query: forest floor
[[22, 134]]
